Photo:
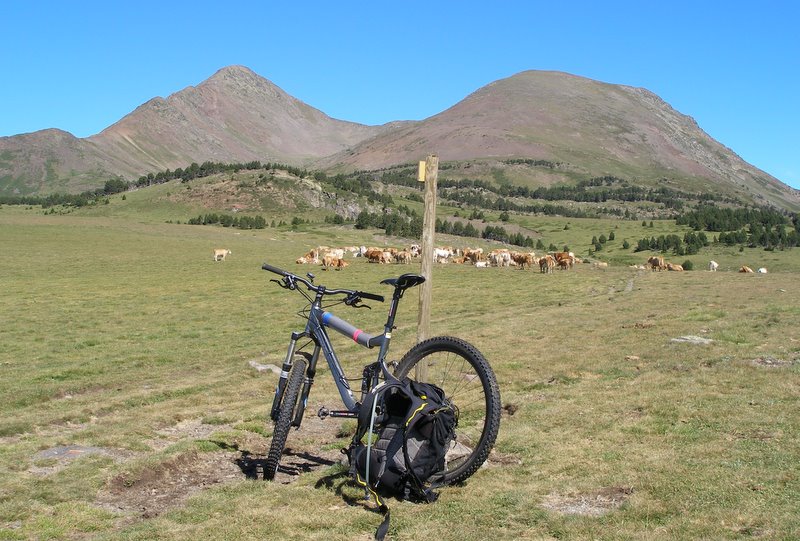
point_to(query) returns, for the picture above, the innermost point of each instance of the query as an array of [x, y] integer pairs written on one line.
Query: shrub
[[687, 265]]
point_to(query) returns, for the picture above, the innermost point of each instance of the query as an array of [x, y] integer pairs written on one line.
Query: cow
[[373, 255], [220, 253], [713, 266], [329, 261], [762, 270], [481, 264], [337, 263], [312, 256], [500, 258], [522, 259], [337, 253], [473, 254], [547, 263], [674, 267], [403, 256], [565, 256], [351, 250], [441, 255], [600, 265], [656, 262], [745, 269]]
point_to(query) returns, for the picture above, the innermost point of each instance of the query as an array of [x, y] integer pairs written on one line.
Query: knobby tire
[[285, 417], [469, 382]]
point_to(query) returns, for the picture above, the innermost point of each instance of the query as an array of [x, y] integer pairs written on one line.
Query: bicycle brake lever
[[355, 302]]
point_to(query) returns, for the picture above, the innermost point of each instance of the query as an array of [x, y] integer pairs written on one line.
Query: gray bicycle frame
[[315, 330]]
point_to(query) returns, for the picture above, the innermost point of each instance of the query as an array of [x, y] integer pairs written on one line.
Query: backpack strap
[[383, 528]]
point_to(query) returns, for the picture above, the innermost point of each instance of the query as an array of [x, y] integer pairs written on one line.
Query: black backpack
[[412, 425]]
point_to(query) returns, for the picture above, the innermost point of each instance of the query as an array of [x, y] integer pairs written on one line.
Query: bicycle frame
[[315, 330]]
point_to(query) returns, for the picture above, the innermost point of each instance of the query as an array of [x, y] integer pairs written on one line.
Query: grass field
[[130, 409]]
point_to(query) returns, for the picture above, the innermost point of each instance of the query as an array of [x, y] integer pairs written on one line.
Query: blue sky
[[733, 66]]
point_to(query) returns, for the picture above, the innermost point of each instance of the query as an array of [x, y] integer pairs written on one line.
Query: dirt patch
[[640, 325], [772, 362], [148, 491], [593, 504], [497, 458], [55, 459], [190, 429], [152, 490]]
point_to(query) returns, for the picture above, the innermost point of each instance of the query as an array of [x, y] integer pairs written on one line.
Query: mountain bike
[[453, 364]]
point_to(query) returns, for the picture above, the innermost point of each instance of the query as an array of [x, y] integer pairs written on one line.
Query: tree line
[[408, 223], [226, 220], [754, 227]]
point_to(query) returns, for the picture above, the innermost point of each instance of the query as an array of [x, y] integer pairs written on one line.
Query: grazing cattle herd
[[501, 257]]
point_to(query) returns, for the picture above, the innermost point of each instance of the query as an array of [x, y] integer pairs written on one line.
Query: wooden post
[[428, 230]]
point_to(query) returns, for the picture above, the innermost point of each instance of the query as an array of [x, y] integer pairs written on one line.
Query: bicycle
[[451, 363]]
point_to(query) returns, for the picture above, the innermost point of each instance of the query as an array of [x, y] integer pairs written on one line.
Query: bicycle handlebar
[[293, 277]]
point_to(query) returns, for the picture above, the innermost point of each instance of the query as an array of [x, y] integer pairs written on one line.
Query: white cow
[[713, 266], [220, 253], [441, 255], [762, 270]]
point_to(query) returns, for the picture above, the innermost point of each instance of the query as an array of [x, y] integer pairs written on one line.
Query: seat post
[[393, 305]]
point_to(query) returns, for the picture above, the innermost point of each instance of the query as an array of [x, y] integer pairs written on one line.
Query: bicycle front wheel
[[286, 414], [470, 385]]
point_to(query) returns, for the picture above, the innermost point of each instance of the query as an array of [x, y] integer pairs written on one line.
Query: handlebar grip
[[371, 296], [350, 331], [276, 270]]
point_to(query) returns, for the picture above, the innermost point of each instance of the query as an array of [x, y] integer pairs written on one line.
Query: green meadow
[[637, 404]]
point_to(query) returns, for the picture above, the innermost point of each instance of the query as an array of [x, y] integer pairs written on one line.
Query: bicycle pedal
[[323, 412]]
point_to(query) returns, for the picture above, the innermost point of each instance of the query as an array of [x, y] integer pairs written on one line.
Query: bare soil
[[147, 492], [593, 504]]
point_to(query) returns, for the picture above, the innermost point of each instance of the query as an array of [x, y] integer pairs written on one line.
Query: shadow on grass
[[292, 463]]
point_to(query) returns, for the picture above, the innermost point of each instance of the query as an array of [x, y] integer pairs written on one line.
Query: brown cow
[[337, 263], [674, 267], [522, 259], [473, 255], [656, 262], [547, 263], [745, 269], [568, 256], [403, 256]]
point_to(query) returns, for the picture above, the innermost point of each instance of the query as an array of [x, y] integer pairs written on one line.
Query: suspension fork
[[311, 371], [284, 377]]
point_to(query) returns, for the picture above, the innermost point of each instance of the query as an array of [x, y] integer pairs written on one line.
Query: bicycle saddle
[[404, 281]]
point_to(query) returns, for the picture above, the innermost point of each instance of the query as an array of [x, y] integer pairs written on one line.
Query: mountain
[[580, 127], [588, 127], [234, 116]]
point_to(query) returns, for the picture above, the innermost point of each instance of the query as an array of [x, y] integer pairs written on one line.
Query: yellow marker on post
[[421, 173]]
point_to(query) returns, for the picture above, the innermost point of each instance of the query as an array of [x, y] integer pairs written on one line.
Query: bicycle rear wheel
[[285, 416], [469, 383]]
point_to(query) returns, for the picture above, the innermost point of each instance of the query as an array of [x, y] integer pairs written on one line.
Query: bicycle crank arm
[[325, 412]]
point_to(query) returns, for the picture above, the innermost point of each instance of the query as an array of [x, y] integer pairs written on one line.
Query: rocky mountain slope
[[234, 116], [588, 127]]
